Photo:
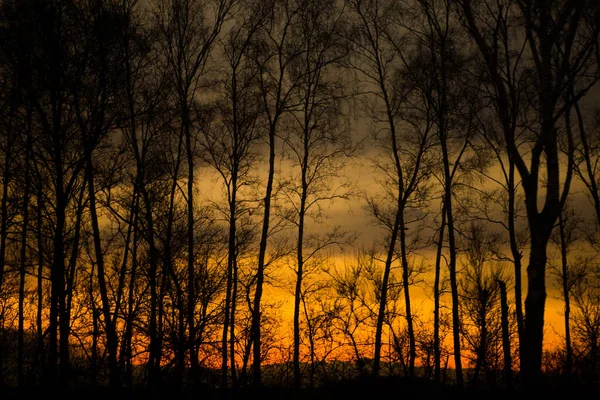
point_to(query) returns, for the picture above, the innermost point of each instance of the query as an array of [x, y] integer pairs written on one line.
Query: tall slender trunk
[[70, 272], [180, 346], [566, 296], [260, 271], [383, 297], [40, 282], [483, 333], [57, 363], [127, 347], [452, 250], [191, 300], [397, 219], [6, 179], [505, 336], [311, 341], [57, 280], [111, 332], [226, 311], [60, 293], [234, 295], [406, 286], [516, 253], [160, 320], [95, 331], [154, 346], [231, 244], [126, 252], [436, 300], [23, 255], [243, 378], [300, 255]]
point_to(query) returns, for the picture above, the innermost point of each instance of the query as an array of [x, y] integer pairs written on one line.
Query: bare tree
[[275, 49], [233, 154], [188, 36], [141, 101], [586, 319], [95, 111], [480, 301], [454, 106], [316, 141], [354, 307], [565, 238], [559, 42], [383, 58], [59, 154]]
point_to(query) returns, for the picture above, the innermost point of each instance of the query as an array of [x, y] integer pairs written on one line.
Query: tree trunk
[[191, 300], [482, 347], [6, 177], [154, 346], [40, 282], [383, 295], [180, 346], [397, 218], [534, 312], [311, 341], [260, 272], [300, 260], [436, 301], [95, 332], [515, 253], [226, 311], [126, 252], [70, 271], [23, 256], [406, 287], [57, 281], [126, 352], [111, 332], [505, 336], [566, 296], [160, 319], [234, 295], [231, 255], [452, 250]]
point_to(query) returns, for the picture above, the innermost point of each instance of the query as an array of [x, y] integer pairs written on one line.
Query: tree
[[454, 106], [559, 42], [141, 103], [231, 147], [188, 38], [481, 300], [569, 277], [275, 49], [315, 141], [382, 56], [586, 318], [352, 307], [16, 113], [58, 149], [94, 111]]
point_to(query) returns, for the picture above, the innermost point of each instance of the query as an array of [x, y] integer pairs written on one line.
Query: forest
[[231, 195]]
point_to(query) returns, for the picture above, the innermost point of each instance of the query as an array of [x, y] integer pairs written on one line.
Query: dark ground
[[361, 389]]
